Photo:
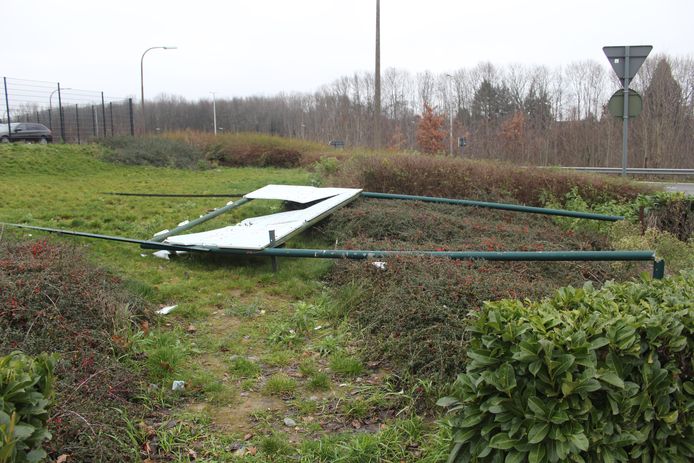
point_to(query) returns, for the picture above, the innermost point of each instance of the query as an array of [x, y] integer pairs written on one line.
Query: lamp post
[[142, 79], [214, 111], [450, 113], [50, 106]]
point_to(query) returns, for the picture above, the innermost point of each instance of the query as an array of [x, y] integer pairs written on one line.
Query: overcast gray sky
[[241, 48]]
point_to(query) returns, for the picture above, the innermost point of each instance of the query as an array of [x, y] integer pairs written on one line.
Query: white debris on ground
[[162, 254], [167, 309], [178, 385]]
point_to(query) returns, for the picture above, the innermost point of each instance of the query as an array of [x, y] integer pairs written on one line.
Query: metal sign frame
[[626, 61]]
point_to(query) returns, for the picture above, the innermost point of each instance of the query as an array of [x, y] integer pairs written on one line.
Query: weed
[[244, 310], [284, 333]]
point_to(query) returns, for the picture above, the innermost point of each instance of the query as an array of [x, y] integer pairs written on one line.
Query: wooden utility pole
[[377, 80]]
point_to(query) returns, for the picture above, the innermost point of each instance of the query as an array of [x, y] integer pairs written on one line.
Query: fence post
[[38, 120], [110, 109], [62, 115], [77, 118], [103, 113], [95, 125], [50, 120], [132, 122], [7, 105]]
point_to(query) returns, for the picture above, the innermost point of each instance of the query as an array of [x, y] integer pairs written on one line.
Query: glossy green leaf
[[447, 401], [538, 432], [612, 378], [514, 457], [537, 406], [502, 441], [579, 440], [537, 454]]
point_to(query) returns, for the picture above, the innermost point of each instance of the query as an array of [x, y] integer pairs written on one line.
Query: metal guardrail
[[633, 170]]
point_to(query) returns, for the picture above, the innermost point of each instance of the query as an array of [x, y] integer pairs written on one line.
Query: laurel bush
[[585, 375]]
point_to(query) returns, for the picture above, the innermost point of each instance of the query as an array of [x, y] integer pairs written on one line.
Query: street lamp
[[450, 111], [214, 111], [50, 106], [142, 78]]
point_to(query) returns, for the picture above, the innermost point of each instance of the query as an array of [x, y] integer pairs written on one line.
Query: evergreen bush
[[586, 375], [26, 392]]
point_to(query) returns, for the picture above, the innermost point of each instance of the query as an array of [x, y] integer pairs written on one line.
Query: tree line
[[529, 115]]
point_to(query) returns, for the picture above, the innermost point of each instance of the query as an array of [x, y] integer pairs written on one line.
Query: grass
[[280, 385], [346, 365], [241, 367], [318, 382], [262, 343]]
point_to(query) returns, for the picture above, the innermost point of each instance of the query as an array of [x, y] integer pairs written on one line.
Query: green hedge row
[[26, 391], [586, 375]]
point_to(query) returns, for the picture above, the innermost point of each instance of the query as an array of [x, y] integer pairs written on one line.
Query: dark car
[[27, 131]]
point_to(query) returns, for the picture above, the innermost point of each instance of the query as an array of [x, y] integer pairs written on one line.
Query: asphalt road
[[687, 188]]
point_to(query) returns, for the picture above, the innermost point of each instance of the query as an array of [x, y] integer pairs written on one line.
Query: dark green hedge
[[587, 375]]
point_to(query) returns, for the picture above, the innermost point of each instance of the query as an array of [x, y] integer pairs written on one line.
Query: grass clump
[[280, 385], [165, 353], [318, 382], [346, 365]]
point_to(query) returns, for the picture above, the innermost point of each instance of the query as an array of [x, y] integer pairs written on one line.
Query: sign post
[[626, 62]]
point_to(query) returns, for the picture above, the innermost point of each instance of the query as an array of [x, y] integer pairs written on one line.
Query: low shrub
[[484, 180], [255, 156], [585, 375], [26, 392], [670, 212], [152, 151], [678, 255], [251, 149], [664, 211], [413, 313], [53, 300]]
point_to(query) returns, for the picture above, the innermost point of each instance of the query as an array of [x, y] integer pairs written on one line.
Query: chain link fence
[[72, 115]]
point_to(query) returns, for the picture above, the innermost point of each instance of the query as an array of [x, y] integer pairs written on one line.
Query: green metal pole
[[188, 225], [546, 256], [502, 206], [659, 269]]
